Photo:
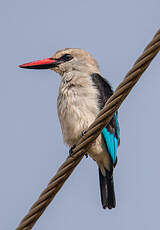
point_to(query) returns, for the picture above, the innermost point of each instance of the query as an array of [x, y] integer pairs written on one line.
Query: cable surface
[[103, 118]]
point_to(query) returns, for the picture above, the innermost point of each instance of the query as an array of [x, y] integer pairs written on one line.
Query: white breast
[[77, 107]]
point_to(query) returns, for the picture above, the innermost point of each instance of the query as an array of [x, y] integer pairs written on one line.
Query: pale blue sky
[[32, 148]]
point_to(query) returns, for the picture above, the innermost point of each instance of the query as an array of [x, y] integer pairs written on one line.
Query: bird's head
[[66, 60]]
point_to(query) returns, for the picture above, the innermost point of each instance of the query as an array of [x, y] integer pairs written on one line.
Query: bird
[[83, 92]]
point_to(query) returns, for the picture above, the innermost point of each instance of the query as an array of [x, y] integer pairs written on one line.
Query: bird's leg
[[83, 134], [71, 150]]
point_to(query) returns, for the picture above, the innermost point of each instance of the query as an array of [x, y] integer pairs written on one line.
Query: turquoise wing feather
[[112, 140]]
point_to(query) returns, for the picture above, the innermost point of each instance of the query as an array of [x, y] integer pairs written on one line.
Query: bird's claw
[[71, 150], [73, 147], [83, 133]]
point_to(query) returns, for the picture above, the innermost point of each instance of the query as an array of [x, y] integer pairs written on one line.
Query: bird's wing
[[111, 131]]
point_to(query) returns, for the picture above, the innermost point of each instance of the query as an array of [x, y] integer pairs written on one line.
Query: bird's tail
[[107, 190]]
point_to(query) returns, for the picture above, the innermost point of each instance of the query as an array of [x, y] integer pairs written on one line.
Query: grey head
[[74, 59]]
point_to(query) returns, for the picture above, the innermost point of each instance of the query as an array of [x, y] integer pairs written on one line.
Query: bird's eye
[[66, 57]]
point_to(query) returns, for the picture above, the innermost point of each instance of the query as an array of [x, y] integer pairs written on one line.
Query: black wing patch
[[105, 92]]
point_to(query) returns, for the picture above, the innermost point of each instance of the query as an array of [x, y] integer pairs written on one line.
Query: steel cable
[[92, 133]]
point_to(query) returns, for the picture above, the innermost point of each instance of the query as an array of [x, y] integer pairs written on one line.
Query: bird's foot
[[83, 133], [71, 150], [73, 147]]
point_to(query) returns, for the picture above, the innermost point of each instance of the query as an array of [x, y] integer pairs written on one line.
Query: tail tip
[[109, 206]]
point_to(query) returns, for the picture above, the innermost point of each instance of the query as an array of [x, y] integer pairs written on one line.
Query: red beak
[[46, 63]]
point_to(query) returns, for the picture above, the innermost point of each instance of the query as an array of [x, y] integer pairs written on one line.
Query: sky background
[[32, 149]]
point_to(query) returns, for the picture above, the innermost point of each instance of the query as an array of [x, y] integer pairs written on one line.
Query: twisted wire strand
[[92, 133]]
